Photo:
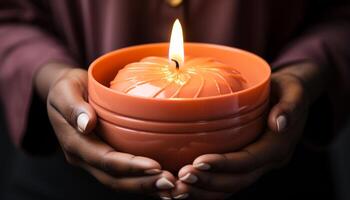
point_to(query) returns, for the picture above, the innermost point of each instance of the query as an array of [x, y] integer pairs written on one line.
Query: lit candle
[[176, 48], [175, 108], [177, 76]]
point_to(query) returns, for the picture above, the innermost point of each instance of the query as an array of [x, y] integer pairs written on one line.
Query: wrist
[[47, 76]]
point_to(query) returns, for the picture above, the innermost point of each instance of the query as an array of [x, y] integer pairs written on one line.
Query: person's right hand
[[73, 120]]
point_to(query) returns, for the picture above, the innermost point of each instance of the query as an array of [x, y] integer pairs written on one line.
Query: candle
[[175, 77], [151, 100]]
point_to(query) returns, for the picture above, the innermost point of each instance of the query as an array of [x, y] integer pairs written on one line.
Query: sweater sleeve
[[327, 43], [25, 46]]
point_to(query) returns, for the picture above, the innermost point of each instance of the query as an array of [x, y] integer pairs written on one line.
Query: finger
[[68, 97], [218, 182], [290, 102], [269, 150], [95, 152], [141, 184], [186, 191], [236, 162]]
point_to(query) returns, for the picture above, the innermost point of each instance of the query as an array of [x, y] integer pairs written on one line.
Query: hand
[[218, 176], [73, 120]]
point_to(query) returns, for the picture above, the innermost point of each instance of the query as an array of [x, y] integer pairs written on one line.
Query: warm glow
[[176, 49]]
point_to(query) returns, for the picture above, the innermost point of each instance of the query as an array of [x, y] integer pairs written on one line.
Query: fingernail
[[164, 184], [181, 196], [281, 122], [202, 166], [189, 178], [82, 121], [165, 198], [153, 171]]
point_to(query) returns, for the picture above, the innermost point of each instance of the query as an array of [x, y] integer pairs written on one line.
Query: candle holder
[[175, 131]]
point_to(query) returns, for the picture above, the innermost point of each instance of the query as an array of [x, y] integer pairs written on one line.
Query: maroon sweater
[[33, 33]]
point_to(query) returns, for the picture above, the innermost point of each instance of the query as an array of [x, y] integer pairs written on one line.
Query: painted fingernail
[[181, 196], [164, 184], [82, 121], [153, 171], [202, 166], [165, 198], [281, 123], [189, 178]]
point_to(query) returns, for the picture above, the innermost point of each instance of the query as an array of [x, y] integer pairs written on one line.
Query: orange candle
[[156, 77], [175, 108], [175, 77]]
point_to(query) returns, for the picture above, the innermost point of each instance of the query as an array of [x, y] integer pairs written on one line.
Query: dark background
[[7, 153]]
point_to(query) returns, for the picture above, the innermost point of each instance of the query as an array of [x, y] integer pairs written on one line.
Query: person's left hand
[[218, 176]]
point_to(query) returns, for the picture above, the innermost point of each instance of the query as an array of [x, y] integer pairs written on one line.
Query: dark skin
[[66, 92], [294, 88]]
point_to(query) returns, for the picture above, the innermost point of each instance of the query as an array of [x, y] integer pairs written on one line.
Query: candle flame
[[176, 48]]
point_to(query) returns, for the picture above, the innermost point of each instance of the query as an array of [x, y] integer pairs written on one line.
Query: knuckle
[[105, 163], [71, 114], [59, 85], [50, 96], [130, 166], [288, 106], [224, 160], [70, 159], [219, 161], [68, 146], [133, 164]]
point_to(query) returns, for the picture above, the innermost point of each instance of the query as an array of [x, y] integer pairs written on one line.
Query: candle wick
[[176, 63]]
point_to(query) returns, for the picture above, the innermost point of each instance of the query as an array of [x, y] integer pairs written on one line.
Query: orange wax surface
[[157, 77]]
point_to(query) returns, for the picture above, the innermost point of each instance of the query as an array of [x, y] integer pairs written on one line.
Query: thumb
[[290, 102], [68, 97], [86, 119]]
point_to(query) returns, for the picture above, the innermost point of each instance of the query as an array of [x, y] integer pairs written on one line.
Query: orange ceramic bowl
[[173, 150], [253, 68]]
